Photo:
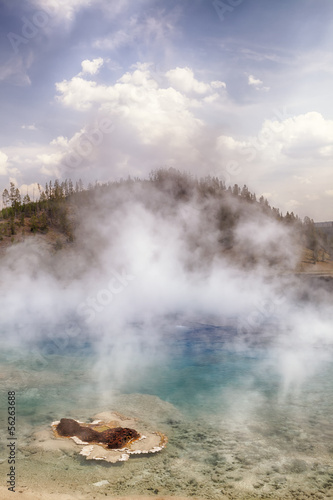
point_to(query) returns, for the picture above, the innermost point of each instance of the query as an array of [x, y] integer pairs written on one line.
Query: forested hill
[[218, 209]]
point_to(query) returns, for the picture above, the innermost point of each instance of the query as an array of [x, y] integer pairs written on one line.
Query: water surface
[[235, 429]]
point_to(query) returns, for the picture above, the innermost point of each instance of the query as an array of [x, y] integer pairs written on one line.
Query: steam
[[143, 261]]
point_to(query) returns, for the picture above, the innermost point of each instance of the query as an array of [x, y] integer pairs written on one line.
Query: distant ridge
[[325, 227], [324, 224]]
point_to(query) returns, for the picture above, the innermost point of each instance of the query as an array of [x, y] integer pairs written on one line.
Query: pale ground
[[323, 267], [40, 495]]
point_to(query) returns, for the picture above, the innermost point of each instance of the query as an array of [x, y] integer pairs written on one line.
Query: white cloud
[[3, 163], [302, 180], [62, 10], [113, 42], [268, 196], [50, 163], [154, 122], [30, 189], [306, 136], [225, 143], [290, 154], [155, 113], [15, 70], [145, 29], [60, 141], [172, 118], [183, 79], [312, 197], [163, 122], [293, 204], [79, 93], [82, 148], [26, 162], [29, 127], [217, 84], [303, 137], [256, 83], [211, 98], [140, 77], [91, 67], [329, 192], [65, 153]]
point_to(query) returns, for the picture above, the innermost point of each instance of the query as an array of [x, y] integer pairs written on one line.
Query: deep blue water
[[198, 369]]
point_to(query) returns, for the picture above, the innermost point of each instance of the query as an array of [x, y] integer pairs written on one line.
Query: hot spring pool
[[240, 426]]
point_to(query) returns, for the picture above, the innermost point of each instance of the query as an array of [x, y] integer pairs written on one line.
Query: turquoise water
[[234, 430]]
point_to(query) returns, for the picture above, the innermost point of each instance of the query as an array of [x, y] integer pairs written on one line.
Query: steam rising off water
[[149, 316]]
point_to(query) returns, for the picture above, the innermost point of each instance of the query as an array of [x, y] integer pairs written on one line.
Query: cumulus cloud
[[217, 84], [30, 189], [3, 163], [155, 115], [159, 114], [163, 116], [91, 67], [79, 93], [68, 154], [307, 135], [183, 80], [256, 83], [50, 163], [285, 150]]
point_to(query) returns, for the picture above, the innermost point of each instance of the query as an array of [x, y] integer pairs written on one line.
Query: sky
[[238, 89]]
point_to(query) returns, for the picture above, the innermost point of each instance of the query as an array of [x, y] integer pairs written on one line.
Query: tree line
[[50, 209], [55, 202]]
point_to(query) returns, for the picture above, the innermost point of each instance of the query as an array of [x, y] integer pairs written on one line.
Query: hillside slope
[[215, 221]]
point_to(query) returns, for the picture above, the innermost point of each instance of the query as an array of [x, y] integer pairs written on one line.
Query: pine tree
[[12, 193], [66, 188], [33, 224], [17, 197], [26, 199], [5, 198], [235, 190]]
